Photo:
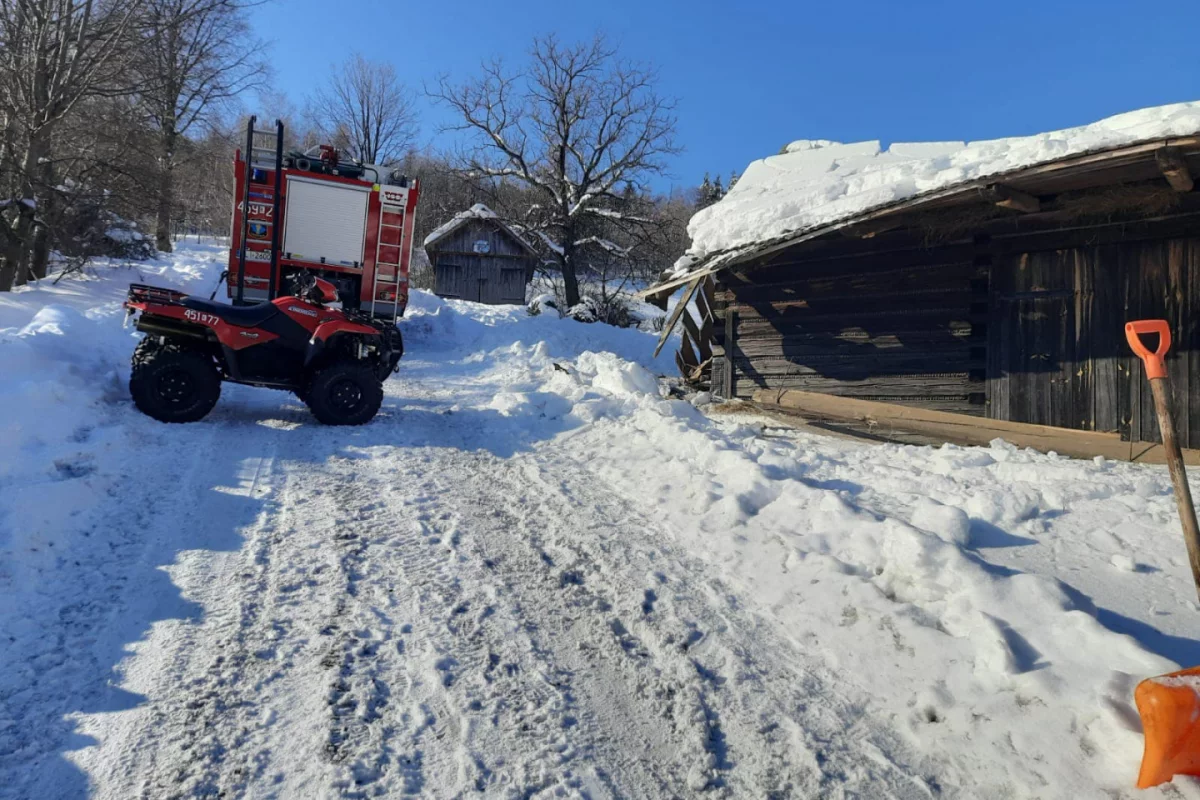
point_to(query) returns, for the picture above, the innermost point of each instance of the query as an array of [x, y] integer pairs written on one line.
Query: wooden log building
[[1003, 298], [477, 257]]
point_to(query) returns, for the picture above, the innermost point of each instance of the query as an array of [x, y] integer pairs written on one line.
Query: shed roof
[[477, 211], [815, 187]]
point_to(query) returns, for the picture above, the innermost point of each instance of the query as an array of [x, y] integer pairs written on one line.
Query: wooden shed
[[476, 256], [1001, 298]]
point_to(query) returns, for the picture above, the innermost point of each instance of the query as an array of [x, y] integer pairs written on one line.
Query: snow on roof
[[477, 211], [814, 183]]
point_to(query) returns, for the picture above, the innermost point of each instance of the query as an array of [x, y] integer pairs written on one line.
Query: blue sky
[[753, 75]]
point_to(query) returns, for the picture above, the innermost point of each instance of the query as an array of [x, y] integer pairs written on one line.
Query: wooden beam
[[692, 331], [673, 320], [729, 380], [1174, 168], [885, 418], [1008, 197], [872, 228]]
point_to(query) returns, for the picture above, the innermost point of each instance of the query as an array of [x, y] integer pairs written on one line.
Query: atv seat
[[242, 316]]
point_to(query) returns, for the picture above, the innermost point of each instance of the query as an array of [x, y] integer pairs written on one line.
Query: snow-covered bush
[[612, 309], [84, 227], [420, 273], [613, 303], [541, 302], [123, 240]]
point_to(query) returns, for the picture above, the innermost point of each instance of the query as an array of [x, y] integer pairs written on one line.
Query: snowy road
[[533, 577], [440, 619]]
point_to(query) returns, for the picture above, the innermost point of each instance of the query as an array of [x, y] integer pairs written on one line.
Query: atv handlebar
[[303, 284]]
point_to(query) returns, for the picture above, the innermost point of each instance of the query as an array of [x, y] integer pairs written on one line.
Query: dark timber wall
[[905, 326], [1025, 326], [497, 276], [1058, 354]]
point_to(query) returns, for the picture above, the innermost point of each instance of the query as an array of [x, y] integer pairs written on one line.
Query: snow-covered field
[[533, 576]]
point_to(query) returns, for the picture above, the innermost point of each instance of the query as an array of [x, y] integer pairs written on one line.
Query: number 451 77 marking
[[202, 318]]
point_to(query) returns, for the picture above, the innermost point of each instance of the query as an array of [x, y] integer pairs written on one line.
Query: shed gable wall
[[497, 276]]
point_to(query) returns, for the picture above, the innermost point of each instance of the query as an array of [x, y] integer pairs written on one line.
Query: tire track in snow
[[778, 722], [461, 662], [479, 624], [650, 682], [216, 687], [200, 737]]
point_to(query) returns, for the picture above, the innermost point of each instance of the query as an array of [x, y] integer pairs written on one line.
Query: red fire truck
[[348, 222]]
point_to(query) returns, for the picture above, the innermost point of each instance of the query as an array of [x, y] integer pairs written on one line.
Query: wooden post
[[1156, 372], [730, 379]]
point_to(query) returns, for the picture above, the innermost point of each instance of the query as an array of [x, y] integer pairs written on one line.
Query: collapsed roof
[[815, 187]]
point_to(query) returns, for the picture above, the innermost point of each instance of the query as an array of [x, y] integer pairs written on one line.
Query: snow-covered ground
[[533, 576]]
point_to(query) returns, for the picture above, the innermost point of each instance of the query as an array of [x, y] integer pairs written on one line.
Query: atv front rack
[[144, 293]]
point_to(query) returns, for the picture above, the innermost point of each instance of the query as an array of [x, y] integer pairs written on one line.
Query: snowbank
[[65, 354], [894, 563], [817, 182]]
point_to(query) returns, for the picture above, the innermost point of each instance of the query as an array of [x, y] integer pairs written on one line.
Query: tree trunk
[[39, 260], [19, 252], [165, 207], [9, 259], [570, 279], [8, 271], [40, 263], [570, 282]]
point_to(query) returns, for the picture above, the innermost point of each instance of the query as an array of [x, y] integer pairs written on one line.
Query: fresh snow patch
[[1122, 562], [948, 523]]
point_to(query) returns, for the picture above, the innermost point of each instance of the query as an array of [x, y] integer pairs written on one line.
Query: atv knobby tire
[[172, 383], [344, 393]]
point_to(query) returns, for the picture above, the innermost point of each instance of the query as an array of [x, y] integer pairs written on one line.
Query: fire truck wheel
[[344, 393], [174, 384]]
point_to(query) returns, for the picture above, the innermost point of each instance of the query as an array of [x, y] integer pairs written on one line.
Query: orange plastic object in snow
[[1170, 709], [1155, 367]]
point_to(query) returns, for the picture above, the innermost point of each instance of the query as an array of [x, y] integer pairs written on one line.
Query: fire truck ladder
[[395, 235], [255, 162]]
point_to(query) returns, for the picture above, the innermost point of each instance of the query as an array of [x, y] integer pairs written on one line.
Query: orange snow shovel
[[1169, 704]]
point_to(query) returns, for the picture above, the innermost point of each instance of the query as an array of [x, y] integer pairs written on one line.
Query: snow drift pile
[[819, 182]]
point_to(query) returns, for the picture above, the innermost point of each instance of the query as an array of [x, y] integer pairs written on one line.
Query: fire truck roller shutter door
[[326, 222]]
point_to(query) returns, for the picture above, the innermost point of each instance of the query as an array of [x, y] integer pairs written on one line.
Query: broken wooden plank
[[1010, 198], [1174, 168], [674, 318], [690, 329], [685, 348]]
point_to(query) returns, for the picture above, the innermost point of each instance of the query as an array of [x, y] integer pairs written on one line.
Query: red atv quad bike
[[334, 360]]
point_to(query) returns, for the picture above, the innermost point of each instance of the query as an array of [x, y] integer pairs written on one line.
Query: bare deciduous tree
[[197, 56], [367, 111], [578, 126], [53, 54]]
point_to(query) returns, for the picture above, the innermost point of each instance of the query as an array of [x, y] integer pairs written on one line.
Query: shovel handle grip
[[1155, 366]]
